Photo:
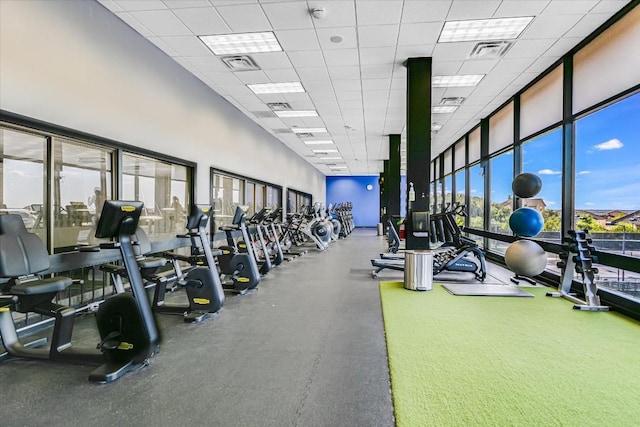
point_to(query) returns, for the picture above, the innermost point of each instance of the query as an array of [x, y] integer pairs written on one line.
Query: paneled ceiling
[[350, 62]]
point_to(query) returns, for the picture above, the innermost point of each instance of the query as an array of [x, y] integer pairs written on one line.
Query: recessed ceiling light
[[318, 142], [457, 81], [331, 158], [297, 113], [483, 29], [309, 130], [444, 109], [338, 167], [279, 106], [230, 44], [287, 87], [325, 151]]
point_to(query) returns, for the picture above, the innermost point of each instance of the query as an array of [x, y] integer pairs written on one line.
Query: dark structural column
[[418, 144], [384, 193], [568, 147], [393, 181]]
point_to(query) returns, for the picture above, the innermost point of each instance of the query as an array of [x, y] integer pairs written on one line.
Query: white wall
[[75, 64]]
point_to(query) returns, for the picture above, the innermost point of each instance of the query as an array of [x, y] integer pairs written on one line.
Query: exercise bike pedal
[[195, 317]]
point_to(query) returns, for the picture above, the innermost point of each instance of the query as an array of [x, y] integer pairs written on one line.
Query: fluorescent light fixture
[[287, 87], [331, 158], [325, 151], [444, 109], [309, 130], [296, 113], [483, 29], [230, 44], [338, 167], [457, 81], [318, 142]]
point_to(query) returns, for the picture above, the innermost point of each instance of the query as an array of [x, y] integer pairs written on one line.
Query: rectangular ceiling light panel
[[231, 44], [457, 81], [324, 151], [265, 88], [444, 109], [331, 158], [309, 130], [296, 113], [318, 142], [483, 29]]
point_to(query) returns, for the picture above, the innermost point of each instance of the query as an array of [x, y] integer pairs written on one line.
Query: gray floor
[[306, 349]]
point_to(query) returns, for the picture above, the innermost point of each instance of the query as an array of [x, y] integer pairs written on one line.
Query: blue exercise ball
[[526, 185], [525, 258], [526, 222]]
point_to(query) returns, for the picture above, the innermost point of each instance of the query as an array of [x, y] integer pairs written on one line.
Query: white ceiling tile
[[135, 24], [141, 5], [415, 51], [187, 46], [339, 13], [377, 35], [609, 6], [179, 4], [351, 104], [376, 85], [282, 75], [376, 71], [271, 97], [288, 15], [161, 23], [271, 60], [345, 73], [587, 25], [512, 65], [344, 86], [562, 46], [351, 95], [453, 51], [231, 2], [458, 91], [295, 98], [377, 56], [425, 11], [348, 34], [378, 12], [549, 26], [250, 77], [478, 66], [419, 34], [245, 18], [561, 7], [163, 46], [202, 21], [476, 9], [509, 9], [529, 48], [307, 58], [308, 74], [298, 40], [541, 64], [111, 5], [185, 63], [223, 79], [207, 64], [341, 57], [446, 68]]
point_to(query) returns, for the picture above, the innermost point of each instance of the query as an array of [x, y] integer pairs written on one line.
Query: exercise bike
[[129, 336]]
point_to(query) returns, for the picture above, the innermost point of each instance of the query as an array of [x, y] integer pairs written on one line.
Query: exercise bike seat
[[41, 286]]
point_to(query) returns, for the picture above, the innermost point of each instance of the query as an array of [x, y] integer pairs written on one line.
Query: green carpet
[[463, 361]]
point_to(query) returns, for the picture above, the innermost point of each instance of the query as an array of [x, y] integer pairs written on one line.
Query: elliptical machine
[[126, 324]]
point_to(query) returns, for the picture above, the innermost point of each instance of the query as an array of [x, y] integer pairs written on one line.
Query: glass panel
[[448, 188], [608, 181], [501, 198], [163, 188], [541, 104], [249, 197], [84, 177], [439, 198], [501, 129], [543, 156], [609, 64], [476, 210], [448, 159], [460, 193], [23, 175], [474, 145], [260, 196], [460, 159], [227, 192]]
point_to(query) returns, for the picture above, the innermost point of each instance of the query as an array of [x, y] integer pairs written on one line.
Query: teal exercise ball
[[526, 222], [526, 185], [525, 258]]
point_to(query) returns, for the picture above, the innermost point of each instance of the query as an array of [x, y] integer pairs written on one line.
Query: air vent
[[489, 50], [263, 114], [455, 100], [279, 106], [304, 135], [240, 63]]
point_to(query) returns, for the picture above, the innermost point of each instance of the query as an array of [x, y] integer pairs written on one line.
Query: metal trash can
[[418, 270], [380, 229]]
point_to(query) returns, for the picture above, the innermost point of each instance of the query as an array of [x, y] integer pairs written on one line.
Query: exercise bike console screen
[[113, 212]]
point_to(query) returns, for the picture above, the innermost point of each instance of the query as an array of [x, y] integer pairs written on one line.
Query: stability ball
[[525, 258], [526, 185], [526, 222]]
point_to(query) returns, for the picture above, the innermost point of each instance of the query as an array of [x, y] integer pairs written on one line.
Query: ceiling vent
[[240, 63], [453, 100], [279, 106], [489, 50], [304, 135]]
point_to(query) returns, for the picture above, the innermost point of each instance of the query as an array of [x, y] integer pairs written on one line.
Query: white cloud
[[590, 203], [612, 144], [549, 172], [584, 172]]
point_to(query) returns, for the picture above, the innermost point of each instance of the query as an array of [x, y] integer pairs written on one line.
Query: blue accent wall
[[366, 203]]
